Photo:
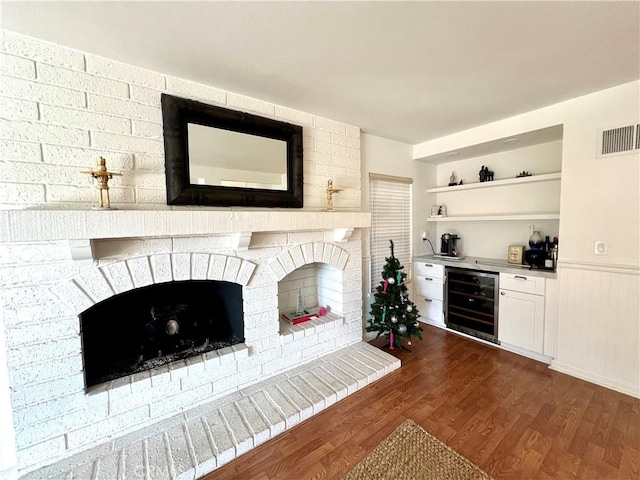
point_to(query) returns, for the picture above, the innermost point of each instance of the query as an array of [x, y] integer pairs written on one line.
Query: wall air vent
[[617, 141]]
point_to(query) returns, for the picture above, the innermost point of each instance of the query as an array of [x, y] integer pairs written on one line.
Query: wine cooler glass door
[[472, 302]]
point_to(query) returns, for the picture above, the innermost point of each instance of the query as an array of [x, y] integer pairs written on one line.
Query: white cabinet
[[429, 289], [521, 312]]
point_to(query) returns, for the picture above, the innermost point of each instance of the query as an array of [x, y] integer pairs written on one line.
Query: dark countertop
[[486, 265]]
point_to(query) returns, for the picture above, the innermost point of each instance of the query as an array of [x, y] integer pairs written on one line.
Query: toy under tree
[[392, 313]]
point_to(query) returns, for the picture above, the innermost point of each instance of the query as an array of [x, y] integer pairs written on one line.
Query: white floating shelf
[[547, 177], [494, 217]]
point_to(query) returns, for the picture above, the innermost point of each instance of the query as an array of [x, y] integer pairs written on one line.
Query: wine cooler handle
[[520, 277]]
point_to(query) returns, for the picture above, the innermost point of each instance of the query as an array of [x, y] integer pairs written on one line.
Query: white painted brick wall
[[71, 107], [35, 49], [82, 81], [19, 109], [8, 459], [124, 72], [84, 119], [59, 110], [21, 130], [17, 67], [19, 151], [196, 91], [39, 92]]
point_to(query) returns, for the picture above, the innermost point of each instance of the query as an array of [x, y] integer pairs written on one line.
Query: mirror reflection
[[232, 159]]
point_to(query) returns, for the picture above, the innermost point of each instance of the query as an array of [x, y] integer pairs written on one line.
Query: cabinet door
[[521, 320]]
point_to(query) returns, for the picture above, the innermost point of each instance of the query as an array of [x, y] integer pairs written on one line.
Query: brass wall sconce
[[102, 175]]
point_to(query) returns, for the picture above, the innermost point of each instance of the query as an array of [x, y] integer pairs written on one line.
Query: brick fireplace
[[54, 280], [58, 258]]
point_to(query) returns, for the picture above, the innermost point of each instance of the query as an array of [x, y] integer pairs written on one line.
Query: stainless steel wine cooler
[[471, 304]]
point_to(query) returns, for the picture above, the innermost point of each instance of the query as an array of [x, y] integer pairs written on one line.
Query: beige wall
[[388, 157]]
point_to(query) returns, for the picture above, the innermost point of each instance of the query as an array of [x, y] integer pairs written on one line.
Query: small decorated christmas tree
[[392, 313]]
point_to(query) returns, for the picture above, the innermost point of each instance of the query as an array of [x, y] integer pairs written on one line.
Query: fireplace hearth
[[155, 325], [54, 289]]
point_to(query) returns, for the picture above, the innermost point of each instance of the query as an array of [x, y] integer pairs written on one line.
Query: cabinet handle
[[430, 279], [520, 277], [502, 293], [428, 265], [428, 300]]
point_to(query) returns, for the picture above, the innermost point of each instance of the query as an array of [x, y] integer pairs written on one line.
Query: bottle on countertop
[[554, 252], [299, 304]]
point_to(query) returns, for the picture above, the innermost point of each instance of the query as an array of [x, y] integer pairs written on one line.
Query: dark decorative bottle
[[535, 240], [535, 256]]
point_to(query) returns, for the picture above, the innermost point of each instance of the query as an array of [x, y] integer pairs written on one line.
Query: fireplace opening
[[155, 325]]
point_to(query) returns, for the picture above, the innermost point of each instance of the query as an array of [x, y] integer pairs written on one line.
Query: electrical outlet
[[600, 248]]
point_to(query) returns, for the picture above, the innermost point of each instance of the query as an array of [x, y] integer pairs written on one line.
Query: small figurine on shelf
[[102, 177], [523, 174], [489, 175], [330, 192], [485, 174], [452, 179]]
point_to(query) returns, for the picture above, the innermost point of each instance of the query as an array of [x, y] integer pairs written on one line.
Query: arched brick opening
[[148, 311], [313, 271]]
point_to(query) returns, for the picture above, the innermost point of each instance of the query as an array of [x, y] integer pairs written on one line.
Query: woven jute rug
[[410, 453]]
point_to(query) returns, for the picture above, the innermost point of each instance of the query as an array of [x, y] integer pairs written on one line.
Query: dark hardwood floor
[[510, 415]]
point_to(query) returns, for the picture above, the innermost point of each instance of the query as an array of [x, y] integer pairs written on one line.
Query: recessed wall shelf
[[496, 217], [547, 177]]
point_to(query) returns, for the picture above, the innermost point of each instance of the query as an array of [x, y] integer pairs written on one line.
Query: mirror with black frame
[[220, 157]]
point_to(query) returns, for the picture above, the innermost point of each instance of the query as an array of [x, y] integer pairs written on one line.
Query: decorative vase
[[536, 241]]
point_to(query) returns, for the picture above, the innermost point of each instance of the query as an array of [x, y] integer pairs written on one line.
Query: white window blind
[[390, 202]]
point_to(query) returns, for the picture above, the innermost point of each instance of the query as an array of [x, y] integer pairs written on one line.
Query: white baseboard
[[632, 390], [432, 322], [526, 353]]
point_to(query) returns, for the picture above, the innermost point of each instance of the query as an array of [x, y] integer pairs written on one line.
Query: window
[[390, 201]]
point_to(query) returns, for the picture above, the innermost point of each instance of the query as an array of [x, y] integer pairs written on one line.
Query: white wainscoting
[[599, 326]]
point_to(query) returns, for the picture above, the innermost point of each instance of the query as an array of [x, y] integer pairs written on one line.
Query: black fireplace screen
[[155, 325]]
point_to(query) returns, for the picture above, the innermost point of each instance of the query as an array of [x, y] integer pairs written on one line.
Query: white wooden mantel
[[82, 227]]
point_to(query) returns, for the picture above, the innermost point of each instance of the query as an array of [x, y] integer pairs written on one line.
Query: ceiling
[[407, 71]]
